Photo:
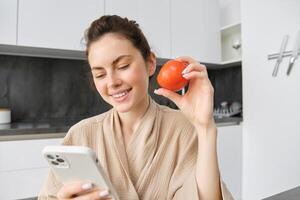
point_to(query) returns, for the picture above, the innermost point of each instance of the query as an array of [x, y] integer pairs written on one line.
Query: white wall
[[271, 125], [230, 157], [230, 11]]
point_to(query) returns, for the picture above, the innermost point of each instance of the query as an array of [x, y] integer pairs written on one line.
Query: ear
[[151, 64]]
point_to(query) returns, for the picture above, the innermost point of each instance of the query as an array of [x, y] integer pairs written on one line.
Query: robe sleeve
[[184, 181], [189, 190], [52, 185]]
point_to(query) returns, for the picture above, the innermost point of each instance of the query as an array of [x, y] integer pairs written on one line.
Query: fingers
[[95, 195], [194, 70], [71, 189], [193, 65], [82, 191], [194, 75]]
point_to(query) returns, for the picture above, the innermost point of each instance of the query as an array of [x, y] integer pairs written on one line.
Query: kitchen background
[[45, 83], [46, 89]]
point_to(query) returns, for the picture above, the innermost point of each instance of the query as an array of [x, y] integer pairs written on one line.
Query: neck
[[130, 120]]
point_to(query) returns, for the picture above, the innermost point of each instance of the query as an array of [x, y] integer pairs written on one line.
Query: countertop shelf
[[233, 25], [231, 62], [37, 130]]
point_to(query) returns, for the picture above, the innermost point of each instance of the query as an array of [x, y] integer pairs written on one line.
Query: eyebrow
[[113, 63]]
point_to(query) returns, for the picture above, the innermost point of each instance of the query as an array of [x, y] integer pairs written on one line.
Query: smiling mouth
[[120, 95]]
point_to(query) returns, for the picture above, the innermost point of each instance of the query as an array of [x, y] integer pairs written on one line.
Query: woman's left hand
[[197, 102]]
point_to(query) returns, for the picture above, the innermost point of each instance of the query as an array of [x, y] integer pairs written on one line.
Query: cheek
[[140, 76], [100, 86]]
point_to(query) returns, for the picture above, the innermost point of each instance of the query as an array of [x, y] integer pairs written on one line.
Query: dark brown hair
[[123, 26]]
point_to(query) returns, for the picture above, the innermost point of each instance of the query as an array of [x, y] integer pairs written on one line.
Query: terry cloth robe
[[158, 162]]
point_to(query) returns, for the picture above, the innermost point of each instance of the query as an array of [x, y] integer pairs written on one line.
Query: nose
[[113, 81]]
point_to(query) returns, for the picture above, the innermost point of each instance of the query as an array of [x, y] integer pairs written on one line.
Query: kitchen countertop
[[34, 130], [58, 129]]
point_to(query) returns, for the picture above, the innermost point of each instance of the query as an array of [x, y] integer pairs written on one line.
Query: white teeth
[[120, 94]]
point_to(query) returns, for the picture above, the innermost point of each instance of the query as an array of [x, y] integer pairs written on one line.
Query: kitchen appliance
[[5, 113], [5, 116]]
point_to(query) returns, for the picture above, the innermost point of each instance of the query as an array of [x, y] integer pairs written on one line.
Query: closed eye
[[123, 67], [99, 75]]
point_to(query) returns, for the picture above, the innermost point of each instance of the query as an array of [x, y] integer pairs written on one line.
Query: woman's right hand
[[82, 191]]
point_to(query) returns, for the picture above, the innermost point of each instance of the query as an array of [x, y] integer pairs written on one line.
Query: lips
[[120, 95]]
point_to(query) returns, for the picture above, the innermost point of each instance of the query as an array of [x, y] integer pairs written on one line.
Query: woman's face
[[120, 73]]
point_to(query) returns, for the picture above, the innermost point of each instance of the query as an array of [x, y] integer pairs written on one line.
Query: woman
[[148, 151]]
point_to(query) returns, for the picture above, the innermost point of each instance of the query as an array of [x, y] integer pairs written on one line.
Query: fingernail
[[87, 186], [155, 91], [104, 193], [184, 71]]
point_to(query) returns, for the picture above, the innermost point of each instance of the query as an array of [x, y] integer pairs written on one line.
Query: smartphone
[[77, 163]]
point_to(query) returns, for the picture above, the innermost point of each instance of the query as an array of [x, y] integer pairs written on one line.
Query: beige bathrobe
[[158, 162]]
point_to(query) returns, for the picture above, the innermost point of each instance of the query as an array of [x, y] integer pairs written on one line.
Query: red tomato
[[170, 75]]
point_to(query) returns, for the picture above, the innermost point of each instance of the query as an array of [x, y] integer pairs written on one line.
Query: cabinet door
[[271, 110], [24, 154], [153, 18], [8, 22], [21, 184], [22, 167], [58, 24], [195, 26], [230, 157], [230, 11]]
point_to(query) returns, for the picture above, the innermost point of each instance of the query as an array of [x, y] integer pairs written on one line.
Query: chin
[[123, 108]]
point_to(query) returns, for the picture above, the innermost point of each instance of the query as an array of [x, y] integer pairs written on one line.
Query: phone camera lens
[[50, 157], [60, 160], [54, 163]]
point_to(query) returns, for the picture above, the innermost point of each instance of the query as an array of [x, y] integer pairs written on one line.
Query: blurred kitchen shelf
[[233, 61], [231, 27]]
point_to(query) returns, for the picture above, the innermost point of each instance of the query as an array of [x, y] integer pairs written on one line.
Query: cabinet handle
[[295, 54], [285, 54], [280, 55]]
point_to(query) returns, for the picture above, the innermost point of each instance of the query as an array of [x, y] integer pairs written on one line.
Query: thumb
[[173, 96]]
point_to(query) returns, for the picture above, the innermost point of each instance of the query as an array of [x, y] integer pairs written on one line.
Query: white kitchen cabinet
[[230, 157], [195, 30], [22, 184], [57, 24], [8, 22], [271, 111], [22, 167], [231, 42], [153, 18], [173, 28], [230, 11], [230, 15]]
